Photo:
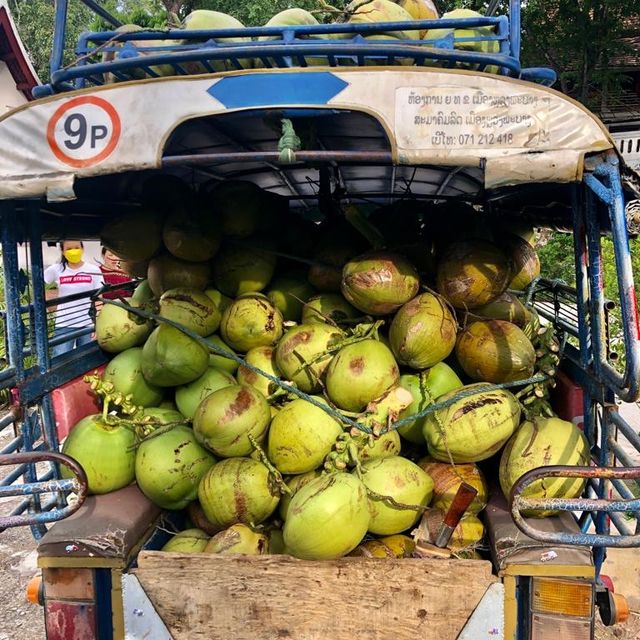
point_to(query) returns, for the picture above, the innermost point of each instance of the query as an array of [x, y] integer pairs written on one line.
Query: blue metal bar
[[38, 487], [299, 30], [609, 191], [514, 21], [596, 286], [37, 283], [59, 32], [631, 435], [582, 279], [278, 51], [15, 341]]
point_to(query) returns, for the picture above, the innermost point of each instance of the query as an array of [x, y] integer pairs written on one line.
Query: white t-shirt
[[74, 313]]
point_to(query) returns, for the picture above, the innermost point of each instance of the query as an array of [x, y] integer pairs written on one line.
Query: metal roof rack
[[113, 56]]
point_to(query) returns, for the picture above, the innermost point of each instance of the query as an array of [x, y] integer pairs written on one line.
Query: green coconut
[[295, 483], [490, 46], [329, 259], [239, 539], [543, 442], [447, 479], [327, 518], [170, 465], [276, 542], [384, 446], [472, 273], [239, 269], [117, 49], [505, 307], [226, 418], [466, 536], [423, 332], [243, 207], [328, 308], [124, 372], [171, 358], [302, 354], [191, 308], [187, 541], [301, 436], [219, 361], [162, 416], [495, 351], [287, 18], [251, 321], [372, 11], [219, 299], [526, 263], [118, 329], [194, 236], [237, 490], [142, 293], [264, 358], [379, 282], [105, 452], [425, 387], [205, 19], [135, 269], [289, 293], [405, 483], [532, 325], [472, 428], [135, 236], [189, 396], [360, 373], [168, 272]]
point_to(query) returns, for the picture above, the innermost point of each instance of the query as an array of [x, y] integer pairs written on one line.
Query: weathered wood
[[211, 597]]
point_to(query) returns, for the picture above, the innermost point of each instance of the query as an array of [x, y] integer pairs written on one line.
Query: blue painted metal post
[[514, 21], [15, 342], [59, 32], [37, 282]]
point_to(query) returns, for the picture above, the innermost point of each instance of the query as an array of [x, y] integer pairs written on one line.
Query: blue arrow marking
[[266, 89]]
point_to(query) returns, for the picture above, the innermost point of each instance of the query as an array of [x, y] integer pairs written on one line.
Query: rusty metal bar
[[78, 484], [519, 503], [372, 157]]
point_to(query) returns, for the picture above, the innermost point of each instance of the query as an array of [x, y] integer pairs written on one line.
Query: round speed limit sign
[[84, 131]]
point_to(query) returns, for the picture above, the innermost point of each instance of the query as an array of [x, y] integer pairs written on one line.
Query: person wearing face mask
[[113, 274], [72, 276]]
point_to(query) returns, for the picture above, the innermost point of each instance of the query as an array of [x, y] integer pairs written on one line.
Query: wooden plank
[[209, 597]]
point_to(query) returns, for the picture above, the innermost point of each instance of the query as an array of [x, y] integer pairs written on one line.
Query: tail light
[[561, 609]]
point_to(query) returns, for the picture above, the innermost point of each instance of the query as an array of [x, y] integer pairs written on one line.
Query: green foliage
[[579, 39], [35, 20], [556, 258]]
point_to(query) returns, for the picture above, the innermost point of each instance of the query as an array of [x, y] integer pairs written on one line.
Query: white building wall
[[10, 97]]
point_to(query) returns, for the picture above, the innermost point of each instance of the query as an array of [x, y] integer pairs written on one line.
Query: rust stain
[[357, 365]]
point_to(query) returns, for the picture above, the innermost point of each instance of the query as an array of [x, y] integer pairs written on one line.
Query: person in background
[[72, 276], [113, 274]]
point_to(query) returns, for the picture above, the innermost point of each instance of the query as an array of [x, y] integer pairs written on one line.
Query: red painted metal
[[567, 399], [72, 402], [70, 620], [13, 55]]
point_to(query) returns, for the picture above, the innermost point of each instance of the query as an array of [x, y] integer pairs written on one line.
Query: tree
[[579, 39]]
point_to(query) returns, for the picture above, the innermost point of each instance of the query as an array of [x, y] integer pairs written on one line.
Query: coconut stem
[[391, 502], [275, 477]]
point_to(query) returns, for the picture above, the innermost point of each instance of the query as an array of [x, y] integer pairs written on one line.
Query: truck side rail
[[611, 507], [48, 484], [147, 54]]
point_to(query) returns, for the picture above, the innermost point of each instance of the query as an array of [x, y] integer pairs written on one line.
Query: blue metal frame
[[31, 412], [141, 54], [599, 201]]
